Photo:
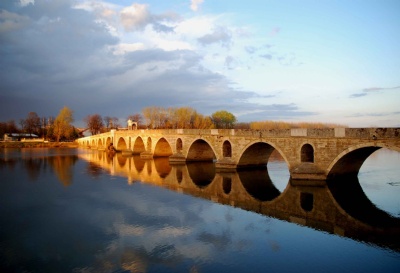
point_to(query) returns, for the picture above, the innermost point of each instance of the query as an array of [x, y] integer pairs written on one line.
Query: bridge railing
[[364, 133]]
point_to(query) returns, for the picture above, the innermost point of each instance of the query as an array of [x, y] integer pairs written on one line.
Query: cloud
[[195, 4], [135, 17], [81, 57], [370, 90], [275, 31], [377, 89], [266, 56], [358, 95], [220, 35], [10, 21]]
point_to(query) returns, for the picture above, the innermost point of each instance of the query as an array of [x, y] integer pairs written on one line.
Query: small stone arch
[[162, 148], [179, 145], [99, 143], [307, 153], [227, 149], [200, 150]]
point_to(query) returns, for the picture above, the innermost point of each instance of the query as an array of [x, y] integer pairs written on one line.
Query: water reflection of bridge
[[339, 207]]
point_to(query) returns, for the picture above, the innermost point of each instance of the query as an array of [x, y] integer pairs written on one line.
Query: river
[[78, 210]]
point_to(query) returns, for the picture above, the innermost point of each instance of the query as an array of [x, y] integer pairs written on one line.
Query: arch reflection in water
[[201, 173], [336, 206], [258, 184]]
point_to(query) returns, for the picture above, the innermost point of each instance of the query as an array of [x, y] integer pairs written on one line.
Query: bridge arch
[[200, 150], [351, 159], [138, 146], [99, 143], [108, 141], [227, 149], [307, 153], [257, 154], [179, 145], [121, 144], [162, 148]]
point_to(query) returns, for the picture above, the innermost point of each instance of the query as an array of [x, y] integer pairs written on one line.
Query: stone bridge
[[312, 154], [339, 207]]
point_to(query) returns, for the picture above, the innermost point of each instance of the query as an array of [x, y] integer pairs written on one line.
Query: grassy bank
[[27, 144]]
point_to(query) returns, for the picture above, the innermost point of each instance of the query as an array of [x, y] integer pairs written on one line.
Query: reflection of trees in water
[[33, 166], [349, 194], [201, 173], [62, 167], [258, 184], [8, 163]]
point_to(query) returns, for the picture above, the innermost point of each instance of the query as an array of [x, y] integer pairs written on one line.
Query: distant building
[[18, 137]]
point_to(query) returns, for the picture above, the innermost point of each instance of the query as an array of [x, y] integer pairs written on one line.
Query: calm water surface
[[66, 210]]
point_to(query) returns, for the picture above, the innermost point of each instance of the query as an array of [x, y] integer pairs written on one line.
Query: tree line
[[152, 117], [58, 128]]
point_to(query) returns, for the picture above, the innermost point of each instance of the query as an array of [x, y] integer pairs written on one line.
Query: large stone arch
[[351, 159], [162, 148], [257, 154], [108, 141], [121, 144], [93, 144], [138, 146], [99, 143], [200, 150]]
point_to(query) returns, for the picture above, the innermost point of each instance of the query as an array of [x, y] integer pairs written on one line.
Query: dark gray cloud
[[52, 55]]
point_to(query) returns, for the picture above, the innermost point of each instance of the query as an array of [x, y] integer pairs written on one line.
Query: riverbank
[[28, 144]]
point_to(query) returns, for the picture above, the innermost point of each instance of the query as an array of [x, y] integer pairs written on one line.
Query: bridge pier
[[225, 163], [307, 171], [126, 152], [177, 158], [146, 155]]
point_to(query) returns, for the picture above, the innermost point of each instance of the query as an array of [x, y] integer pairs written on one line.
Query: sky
[[331, 61]]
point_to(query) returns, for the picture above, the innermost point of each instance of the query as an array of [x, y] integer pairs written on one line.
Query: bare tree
[[136, 118], [94, 123], [111, 122], [32, 123]]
